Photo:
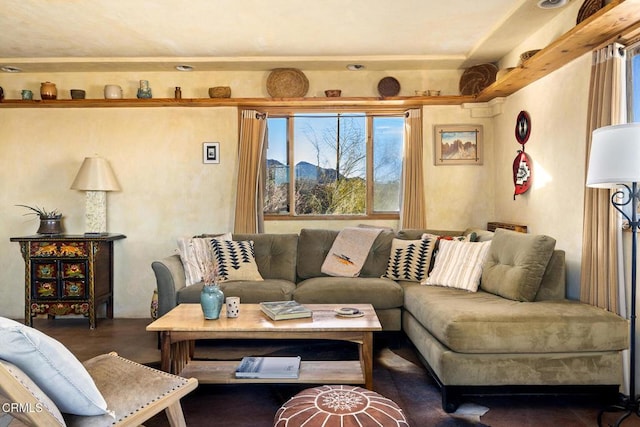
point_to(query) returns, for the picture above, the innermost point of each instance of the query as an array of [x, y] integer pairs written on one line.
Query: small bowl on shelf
[[332, 93], [220, 92], [421, 92], [526, 55], [433, 92]]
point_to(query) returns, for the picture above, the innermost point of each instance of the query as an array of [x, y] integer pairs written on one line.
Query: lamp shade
[[95, 174], [615, 156]]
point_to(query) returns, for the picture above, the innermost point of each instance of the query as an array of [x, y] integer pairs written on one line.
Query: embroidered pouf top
[[339, 406]]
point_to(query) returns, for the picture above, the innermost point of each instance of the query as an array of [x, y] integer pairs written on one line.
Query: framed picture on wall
[[211, 152], [458, 144]]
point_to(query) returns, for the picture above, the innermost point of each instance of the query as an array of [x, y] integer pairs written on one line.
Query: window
[[334, 164], [634, 82]]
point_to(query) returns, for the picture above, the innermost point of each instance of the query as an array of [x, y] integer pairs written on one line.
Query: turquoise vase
[[211, 300]]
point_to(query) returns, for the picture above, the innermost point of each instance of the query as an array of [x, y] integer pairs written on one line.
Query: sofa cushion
[[275, 254], [248, 291], [410, 259], [52, 367], [380, 292], [486, 323], [458, 264], [516, 264], [314, 245], [235, 260]]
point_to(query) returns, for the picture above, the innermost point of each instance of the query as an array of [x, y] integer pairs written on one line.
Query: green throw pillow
[[515, 264]]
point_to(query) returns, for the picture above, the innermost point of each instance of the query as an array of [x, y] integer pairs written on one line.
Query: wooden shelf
[[609, 23], [311, 372], [617, 19], [401, 101]]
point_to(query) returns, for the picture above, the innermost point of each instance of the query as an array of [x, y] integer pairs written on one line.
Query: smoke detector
[[551, 4]]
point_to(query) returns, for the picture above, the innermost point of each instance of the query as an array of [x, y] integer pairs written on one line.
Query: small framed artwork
[[211, 152], [458, 144]]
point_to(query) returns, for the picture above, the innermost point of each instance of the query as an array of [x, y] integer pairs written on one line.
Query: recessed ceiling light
[[10, 69], [551, 4], [184, 67], [355, 67]]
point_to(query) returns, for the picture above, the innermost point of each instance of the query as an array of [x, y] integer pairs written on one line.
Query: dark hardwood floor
[[129, 338]]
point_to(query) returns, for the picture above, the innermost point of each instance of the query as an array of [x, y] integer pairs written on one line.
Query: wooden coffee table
[[180, 327]]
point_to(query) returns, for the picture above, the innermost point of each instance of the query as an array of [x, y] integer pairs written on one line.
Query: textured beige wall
[[557, 105], [156, 154]]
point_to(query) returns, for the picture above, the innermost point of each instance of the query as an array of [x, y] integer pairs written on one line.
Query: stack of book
[[280, 310], [269, 367]]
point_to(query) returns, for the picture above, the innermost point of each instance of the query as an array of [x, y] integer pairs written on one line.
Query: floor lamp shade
[[96, 178], [615, 156]]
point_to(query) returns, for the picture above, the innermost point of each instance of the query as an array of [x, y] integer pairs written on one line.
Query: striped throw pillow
[[459, 265]]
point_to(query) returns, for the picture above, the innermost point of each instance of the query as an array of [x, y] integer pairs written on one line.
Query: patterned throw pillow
[[236, 260], [195, 250], [410, 259], [459, 264]]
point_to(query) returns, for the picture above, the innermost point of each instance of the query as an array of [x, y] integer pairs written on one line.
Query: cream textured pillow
[[236, 260], [193, 251], [458, 265], [410, 259]]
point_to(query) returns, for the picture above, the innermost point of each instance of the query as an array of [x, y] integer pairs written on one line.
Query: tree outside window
[[344, 164]]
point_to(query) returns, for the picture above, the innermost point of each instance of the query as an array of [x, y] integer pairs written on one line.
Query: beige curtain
[[413, 210], [601, 272], [249, 203]]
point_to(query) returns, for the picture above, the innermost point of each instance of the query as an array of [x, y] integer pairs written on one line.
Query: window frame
[[370, 113]]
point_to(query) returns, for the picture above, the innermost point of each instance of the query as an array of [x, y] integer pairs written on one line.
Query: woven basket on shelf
[[287, 83], [220, 92]]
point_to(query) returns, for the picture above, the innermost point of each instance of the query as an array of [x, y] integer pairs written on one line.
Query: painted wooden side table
[[67, 274]]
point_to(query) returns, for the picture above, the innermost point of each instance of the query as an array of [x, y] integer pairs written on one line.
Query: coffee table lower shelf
[[311, 372]]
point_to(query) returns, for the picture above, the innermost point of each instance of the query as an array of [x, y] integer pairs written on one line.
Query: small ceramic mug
[[233, 306], [27, 95], [112, 92]]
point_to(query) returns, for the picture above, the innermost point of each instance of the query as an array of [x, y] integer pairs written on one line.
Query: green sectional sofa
[[516, 333]]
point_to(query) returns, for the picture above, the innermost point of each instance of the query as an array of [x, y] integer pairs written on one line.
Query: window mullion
[[369, 171], [291, 159]]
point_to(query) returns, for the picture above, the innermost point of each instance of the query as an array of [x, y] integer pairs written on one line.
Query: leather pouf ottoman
[[339, 406]]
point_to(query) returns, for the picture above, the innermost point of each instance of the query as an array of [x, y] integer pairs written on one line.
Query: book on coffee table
[[281, 310], [268, 367]]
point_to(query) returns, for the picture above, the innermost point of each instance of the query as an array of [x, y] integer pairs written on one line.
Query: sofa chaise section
[[479, 342]]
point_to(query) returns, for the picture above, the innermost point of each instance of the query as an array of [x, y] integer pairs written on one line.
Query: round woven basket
[[287, 83], [476, 78]]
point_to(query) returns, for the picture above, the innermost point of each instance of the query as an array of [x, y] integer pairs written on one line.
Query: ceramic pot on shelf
[[48, 90], [211, 301], [144, 92]]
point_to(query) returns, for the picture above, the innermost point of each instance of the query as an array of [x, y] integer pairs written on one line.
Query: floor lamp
[[615, 163]]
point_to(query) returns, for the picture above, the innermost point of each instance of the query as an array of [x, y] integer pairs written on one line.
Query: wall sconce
[[96, 178]]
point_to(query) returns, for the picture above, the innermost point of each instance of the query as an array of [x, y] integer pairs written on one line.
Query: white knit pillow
[[459, 265]]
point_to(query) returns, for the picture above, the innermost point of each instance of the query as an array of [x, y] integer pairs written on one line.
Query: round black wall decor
[[523, 127]]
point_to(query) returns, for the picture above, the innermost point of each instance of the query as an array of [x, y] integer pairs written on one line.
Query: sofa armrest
[[170, 279]]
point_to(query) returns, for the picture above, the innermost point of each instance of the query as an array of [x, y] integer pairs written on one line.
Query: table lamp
[[96, 178], [614, 162]]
